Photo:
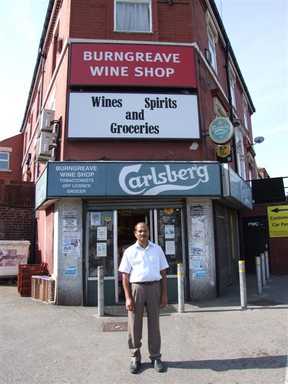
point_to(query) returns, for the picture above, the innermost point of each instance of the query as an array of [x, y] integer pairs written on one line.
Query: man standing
[[143, 268]]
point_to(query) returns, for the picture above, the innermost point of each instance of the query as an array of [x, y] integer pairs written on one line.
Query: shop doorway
[[127, 219], [110, 232]]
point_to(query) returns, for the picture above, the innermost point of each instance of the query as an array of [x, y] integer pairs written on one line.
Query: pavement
[[212, 342]]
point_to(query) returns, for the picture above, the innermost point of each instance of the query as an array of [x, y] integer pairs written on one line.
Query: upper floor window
[[245, 113], [232, 86], [212, 42], [133, 16], [240, 153], [4, 161], [219, 110]]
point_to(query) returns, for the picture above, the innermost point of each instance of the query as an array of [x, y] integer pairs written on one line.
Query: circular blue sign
[[221, 130]]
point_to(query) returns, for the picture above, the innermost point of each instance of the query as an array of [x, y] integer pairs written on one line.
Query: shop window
[[100, 243], [169, 236], [4, 161], [133, 16]]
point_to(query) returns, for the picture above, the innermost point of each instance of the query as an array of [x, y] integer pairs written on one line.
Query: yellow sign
[[278, 220], [223, 150]]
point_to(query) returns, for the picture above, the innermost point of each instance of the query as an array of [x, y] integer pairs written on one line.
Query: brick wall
[[16, 211]]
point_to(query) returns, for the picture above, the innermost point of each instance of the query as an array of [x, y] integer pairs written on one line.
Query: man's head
[[141, 232]]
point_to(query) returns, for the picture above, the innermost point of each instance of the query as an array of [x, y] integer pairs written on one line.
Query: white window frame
[[245, 113], [232, 85], [219, 110], [240, 153], [212, 41], [149, 2], [3, 161]]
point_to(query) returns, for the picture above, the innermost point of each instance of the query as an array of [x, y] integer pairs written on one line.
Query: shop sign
[[278, 220], [221, 130], [92, 179], [132, 64], [133, 116], [236, 188]]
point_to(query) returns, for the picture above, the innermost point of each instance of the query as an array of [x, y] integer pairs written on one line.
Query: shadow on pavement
[[261, 362]]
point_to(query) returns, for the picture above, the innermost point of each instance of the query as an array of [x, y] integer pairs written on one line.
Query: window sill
[[6, 170], [135, 32]]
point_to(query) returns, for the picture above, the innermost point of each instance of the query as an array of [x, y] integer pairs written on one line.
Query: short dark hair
[[140, 222]]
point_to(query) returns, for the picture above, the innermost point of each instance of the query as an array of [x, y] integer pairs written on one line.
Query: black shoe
[[158, 365], [134, 366]]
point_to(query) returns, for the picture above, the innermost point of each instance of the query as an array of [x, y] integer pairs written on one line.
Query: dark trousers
[[145, 295]]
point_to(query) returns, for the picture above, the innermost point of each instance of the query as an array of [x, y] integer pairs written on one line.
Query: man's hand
[[130, 304], [164, 301]]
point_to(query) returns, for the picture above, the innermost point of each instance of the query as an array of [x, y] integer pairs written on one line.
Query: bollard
[[242, 280], [262, 256], [180, 281], [100, 291], [267, 265], [259, 275]]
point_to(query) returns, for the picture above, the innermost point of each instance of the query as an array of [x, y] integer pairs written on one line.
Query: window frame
[[245, 113], [212, 36], [232, 86], [6, 152], [148, 2]]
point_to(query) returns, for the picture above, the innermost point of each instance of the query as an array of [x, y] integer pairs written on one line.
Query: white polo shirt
[[143, 264]]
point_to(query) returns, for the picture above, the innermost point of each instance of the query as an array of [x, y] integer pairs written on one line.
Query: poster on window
[[170, 247], [169, 231], [101, 249], [102, 233], [95, 219]]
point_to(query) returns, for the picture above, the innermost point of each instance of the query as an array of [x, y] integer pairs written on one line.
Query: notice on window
[[101, 249], [102, 233], [169, 231], [95, 219], [170, 247]]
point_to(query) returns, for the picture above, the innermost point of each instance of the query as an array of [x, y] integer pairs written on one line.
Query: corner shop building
[[190, 207]]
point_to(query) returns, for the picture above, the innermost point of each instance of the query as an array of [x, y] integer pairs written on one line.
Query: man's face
[[142, 233]]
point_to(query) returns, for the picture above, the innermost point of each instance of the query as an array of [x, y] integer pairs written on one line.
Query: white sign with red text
[[133, 116]]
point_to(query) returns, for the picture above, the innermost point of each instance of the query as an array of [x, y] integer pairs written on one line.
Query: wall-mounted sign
[[221, 130], [223, 153], [84, 179], [133, 116], [132, 64], [235, 188], [278, 220]]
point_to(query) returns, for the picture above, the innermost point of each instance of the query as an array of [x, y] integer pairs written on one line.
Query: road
[[215, 343]]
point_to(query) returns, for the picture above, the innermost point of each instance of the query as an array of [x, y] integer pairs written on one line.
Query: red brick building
[[137, 111]]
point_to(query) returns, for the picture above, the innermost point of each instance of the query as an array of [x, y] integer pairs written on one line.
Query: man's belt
[[146, 282]]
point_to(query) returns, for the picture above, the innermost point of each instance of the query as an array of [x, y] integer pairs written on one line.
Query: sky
[[258, 33]]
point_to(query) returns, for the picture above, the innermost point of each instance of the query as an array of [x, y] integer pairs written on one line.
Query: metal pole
[[100, 291], [267, 265], [259, 276], [180, 281], [263, 269], [242, 280]]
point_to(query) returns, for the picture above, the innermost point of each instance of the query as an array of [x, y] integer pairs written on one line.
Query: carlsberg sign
[[155, 180], [104, 178]]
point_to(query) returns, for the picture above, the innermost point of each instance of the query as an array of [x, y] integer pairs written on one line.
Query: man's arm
[[164, 296], [128, 296]]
